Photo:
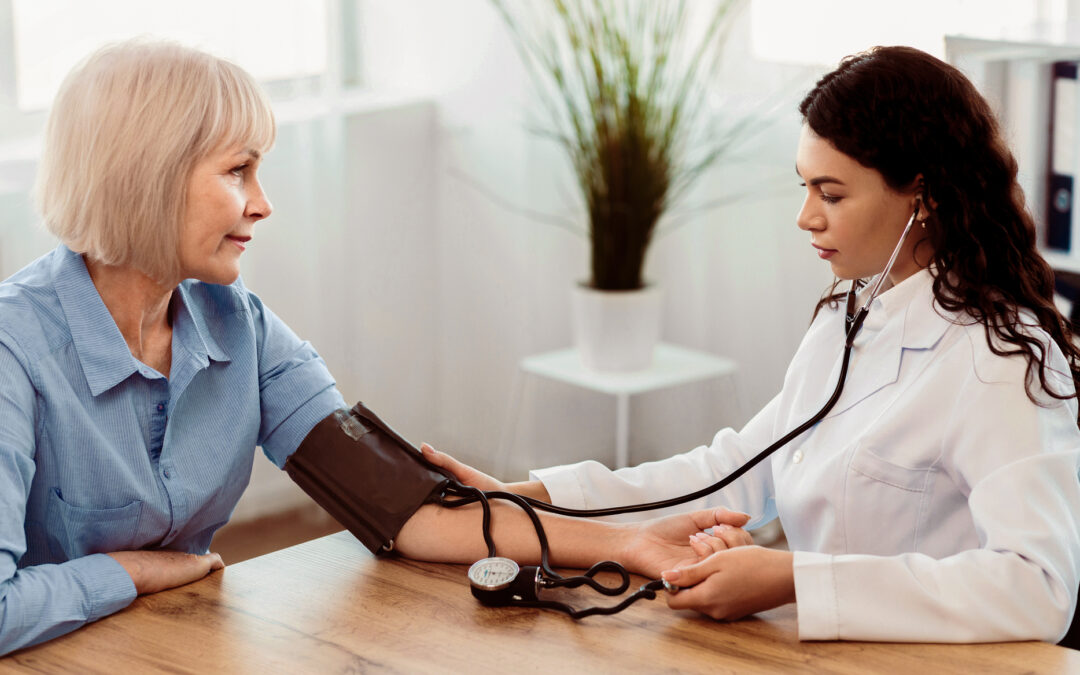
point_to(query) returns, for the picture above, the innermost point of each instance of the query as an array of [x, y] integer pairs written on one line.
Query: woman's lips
[[824, 253], [239, 241]]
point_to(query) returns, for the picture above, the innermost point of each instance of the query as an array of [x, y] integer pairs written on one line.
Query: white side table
[[672, 366]]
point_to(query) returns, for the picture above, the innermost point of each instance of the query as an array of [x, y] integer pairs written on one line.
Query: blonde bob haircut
[[127, 128]]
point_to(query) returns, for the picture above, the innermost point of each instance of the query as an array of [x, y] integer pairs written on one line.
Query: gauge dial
[[493, 574]]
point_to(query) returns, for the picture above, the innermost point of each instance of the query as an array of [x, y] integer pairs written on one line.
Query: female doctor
[[938, 501]]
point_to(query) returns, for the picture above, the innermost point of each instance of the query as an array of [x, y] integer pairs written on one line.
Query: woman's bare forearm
[[439, 534]]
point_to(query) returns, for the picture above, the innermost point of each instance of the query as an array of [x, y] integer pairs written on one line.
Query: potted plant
[[625, 84]]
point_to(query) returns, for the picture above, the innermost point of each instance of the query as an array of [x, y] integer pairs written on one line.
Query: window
[[823, 32], [273, 39]]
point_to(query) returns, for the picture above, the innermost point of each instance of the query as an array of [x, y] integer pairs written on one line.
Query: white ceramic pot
[[616, 330]]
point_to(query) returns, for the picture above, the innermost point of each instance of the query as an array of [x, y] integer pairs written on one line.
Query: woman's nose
[[258, 206]]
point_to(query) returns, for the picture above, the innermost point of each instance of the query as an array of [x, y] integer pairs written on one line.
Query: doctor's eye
[[829, 199], [238, 170]]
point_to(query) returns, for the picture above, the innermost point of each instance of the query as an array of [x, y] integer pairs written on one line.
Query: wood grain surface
[[327, 606]]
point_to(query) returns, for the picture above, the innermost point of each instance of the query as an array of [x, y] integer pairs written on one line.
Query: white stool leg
[[622, 430], [510, 424]]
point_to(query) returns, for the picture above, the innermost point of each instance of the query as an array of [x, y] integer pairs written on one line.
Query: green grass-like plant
[[625, 86]]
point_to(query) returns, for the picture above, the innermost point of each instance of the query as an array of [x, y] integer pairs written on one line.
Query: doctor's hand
[[723, 537], [734, 583], [678, 541], [466, 475]]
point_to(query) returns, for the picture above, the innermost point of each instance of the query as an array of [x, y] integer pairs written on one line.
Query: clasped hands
[[722, 575]]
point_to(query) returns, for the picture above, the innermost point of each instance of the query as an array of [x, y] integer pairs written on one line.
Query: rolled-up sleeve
[[296, 389]]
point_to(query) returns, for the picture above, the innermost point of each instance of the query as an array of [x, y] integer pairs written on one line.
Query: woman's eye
[[238, 170]]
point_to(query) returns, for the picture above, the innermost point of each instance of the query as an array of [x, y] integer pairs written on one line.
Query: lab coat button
[[797, 457]]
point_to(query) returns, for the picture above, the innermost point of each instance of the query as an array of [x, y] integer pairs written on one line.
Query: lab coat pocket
[[75, 532], [883, 504]]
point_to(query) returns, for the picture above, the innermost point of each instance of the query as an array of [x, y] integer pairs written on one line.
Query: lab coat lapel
[[875, 360], [903, 318]]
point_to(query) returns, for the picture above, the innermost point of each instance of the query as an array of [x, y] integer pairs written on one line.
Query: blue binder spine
[[1060, 194]]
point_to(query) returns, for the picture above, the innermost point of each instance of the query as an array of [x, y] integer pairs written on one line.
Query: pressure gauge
[[493, 574], [498, 582]]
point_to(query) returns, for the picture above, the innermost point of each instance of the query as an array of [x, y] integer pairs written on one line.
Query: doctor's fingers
[[718, 563], [710, 597], [723, 537], [705, 546], [707, 518]]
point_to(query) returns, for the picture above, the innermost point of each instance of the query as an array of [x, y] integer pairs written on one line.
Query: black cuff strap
[[365, 475]]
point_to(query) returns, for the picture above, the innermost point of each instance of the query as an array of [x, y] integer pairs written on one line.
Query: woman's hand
[[734, 583], [466, 475], [154, 571], [677, 541]]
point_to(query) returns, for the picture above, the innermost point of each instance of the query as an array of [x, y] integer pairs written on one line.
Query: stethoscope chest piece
[[500, 581]]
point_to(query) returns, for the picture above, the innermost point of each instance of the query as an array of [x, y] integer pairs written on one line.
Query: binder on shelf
[[1062, 215]]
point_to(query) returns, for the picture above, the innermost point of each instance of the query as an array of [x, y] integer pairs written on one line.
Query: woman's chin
[[222, 277]]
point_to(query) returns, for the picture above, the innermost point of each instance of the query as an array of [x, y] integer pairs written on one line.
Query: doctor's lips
[[824, 253]]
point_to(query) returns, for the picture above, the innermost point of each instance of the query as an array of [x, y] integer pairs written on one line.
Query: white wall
[[738, 281]]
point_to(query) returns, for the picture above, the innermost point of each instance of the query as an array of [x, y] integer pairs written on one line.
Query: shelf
[[672, 365]]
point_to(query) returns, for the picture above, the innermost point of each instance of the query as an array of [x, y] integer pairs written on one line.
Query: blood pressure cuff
[[365, 475]]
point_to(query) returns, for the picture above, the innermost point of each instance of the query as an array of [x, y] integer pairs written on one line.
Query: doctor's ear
[[921, 201], [926, 206]]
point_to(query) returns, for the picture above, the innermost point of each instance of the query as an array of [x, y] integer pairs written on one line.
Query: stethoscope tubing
[[731, 477]]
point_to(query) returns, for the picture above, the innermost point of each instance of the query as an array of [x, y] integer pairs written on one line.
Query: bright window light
[[272, 39], [824, 31]]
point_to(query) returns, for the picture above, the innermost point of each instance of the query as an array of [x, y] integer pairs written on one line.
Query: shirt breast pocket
[[883, 504], [75, 531]]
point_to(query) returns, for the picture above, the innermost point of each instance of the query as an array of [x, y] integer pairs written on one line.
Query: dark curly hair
[[903, 113]]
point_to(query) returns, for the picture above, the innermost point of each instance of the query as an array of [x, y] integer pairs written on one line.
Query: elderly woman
[[138, 374]]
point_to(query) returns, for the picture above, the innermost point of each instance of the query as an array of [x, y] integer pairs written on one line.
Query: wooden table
[[327, 606]]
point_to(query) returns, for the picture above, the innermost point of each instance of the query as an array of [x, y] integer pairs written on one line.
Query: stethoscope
[[500, 582]]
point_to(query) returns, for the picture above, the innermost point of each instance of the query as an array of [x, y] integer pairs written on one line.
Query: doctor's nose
[[808, 218]]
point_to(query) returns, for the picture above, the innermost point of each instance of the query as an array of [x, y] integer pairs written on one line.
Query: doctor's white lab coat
[[935, 503]]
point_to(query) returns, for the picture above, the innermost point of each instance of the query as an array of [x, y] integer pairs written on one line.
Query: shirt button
[[160, 407], [167, 474], [797, 457]]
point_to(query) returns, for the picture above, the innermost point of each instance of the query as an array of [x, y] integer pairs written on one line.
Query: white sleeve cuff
[[816, 596], [562, 485]]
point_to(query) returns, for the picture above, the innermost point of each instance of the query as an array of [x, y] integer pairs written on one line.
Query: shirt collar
[[190, 328], [103, 354], [924, 322]]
